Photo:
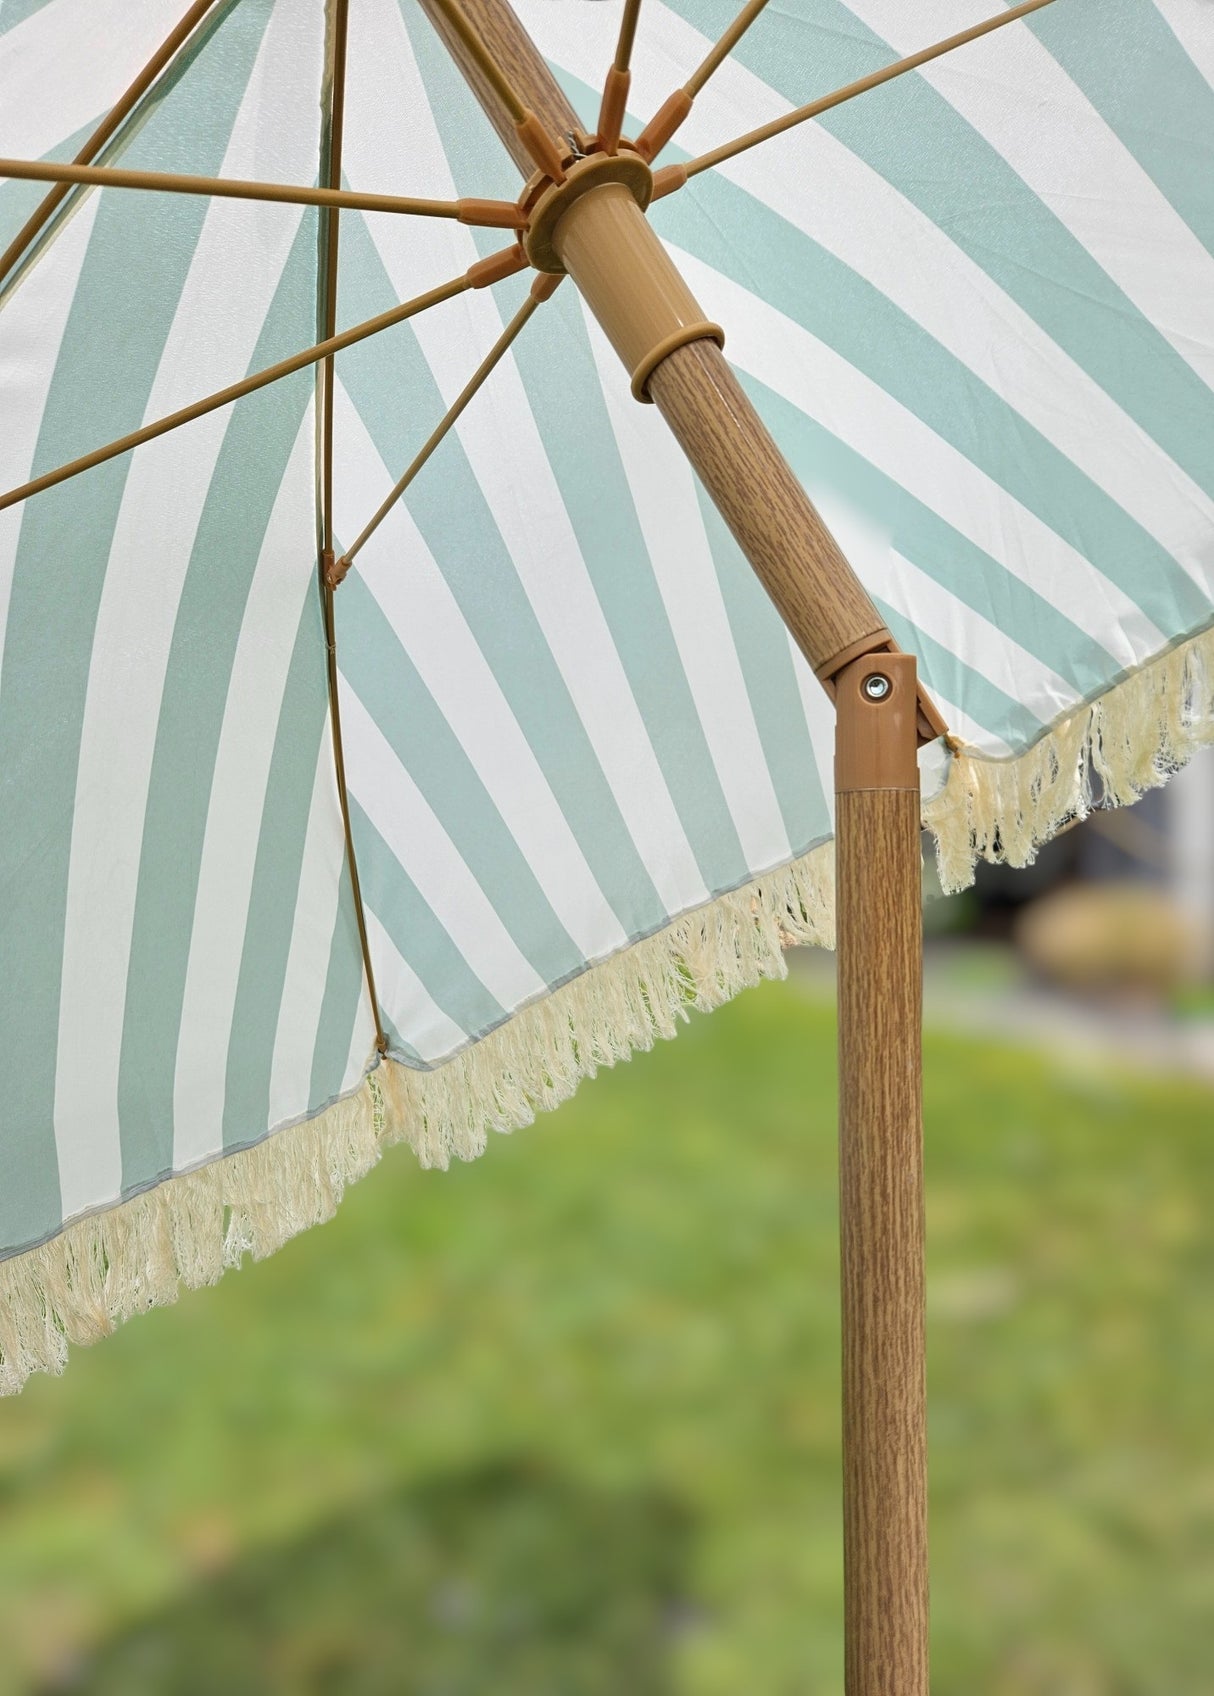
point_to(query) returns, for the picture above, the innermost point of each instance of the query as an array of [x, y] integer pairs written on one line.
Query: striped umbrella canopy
[[336, 811]]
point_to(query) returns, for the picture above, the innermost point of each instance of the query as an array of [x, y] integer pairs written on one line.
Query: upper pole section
[[592, 224]]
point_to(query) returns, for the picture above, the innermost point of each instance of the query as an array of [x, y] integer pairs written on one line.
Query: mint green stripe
[[18, 199], [572, 417], [767, 665], [13, 12], [131, 281], [450, 511], [418, 934], [395, 696], [245, 484], [1126, 60], [274, 894], [814, 289], [992, 215], [344, 996]]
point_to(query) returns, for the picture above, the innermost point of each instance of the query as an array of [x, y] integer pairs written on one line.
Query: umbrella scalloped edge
[[1110, 750], [187, 1230]]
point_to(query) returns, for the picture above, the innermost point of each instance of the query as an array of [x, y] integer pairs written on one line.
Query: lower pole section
[[880, 960]]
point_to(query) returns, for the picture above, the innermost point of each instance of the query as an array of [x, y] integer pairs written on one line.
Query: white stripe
[[503, 445], [1192, 23], [214, 333], [939, 614], [32, 322], [321, 884], [419, 1020], [416, 837], [1012, 90], [67, 64], [817, 185], [861, 414], [285, 575], [668, 510], [417, 602]]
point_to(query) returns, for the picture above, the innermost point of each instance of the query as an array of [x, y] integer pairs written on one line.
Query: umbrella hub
[[593, 226], [546, 202]]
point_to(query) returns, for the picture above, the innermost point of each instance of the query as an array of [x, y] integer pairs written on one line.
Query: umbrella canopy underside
[[588, 771]]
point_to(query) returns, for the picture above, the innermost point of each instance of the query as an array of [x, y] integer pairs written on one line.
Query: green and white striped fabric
[[589, 773]]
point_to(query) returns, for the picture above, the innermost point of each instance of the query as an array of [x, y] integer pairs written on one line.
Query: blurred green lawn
[[564, 1422]]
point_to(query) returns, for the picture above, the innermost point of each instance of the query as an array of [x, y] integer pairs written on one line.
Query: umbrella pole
[[598, 233], [880, 960]]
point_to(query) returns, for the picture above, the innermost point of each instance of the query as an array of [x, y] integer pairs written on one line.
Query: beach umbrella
[[420, 679]]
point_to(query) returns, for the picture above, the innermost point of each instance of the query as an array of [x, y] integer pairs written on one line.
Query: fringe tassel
[[189, 1229], [1129, 740], [105, 1267]]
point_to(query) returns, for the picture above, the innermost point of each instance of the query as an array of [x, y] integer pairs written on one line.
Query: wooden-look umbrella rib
[[484, 272], [491, 214], [534, 135], [722, 48], [673, 111], [619, 80], [105, 131], [826, 103], [541, 290]]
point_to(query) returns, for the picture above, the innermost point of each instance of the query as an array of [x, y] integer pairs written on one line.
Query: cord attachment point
[[877, 647], [333, 570]]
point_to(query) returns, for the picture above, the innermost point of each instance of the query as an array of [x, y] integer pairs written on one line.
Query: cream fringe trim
[[1131, 739], [189, 1229], [105, 1267]]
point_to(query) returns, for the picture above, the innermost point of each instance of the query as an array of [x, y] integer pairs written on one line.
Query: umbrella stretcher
[[344, 804]]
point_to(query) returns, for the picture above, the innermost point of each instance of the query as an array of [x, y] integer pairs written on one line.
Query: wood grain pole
[[593, 226], [880, 977]]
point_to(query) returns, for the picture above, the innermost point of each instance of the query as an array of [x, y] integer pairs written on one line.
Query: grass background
[[565, 1422]]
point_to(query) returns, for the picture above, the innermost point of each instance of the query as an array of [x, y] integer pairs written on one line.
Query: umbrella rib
[[328, 318], [502, 264], [493, 214], [533, 134], [672, 113], [619, 80], [720, 50], [485, 63], [730, 149], [627, 35], [542, 289], [106, 129]]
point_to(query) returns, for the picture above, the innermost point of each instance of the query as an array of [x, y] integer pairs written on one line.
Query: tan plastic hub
[[628, 169]]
